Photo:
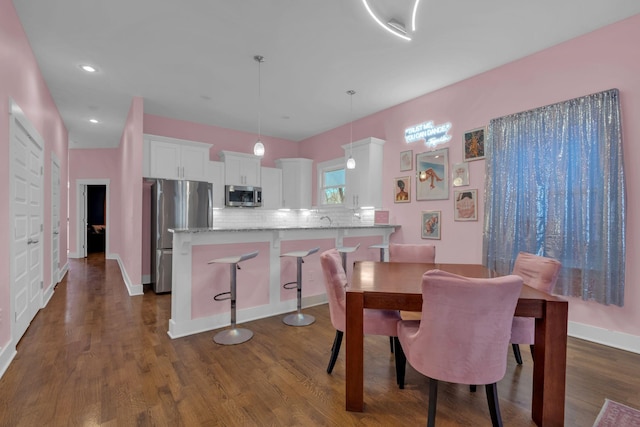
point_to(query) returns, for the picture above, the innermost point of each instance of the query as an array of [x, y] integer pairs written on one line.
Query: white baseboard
[[46, 296], [131, 288], [63, 271], [74, 255], [7, 354], [204, 324], [606, 337], [146, 279]]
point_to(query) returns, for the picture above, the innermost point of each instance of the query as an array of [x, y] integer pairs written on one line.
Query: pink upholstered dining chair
[[540, 273], [376, 322], [463, 333], [406, 252]]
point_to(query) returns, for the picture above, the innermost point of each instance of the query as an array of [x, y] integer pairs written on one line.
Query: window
[[555, 187], [331, 182]]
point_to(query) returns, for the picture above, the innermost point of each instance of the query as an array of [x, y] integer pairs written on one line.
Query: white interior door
[[55, 219], [27, 221]]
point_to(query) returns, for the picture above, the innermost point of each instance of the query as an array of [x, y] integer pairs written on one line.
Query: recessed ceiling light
[[94, 121], [88, 68]]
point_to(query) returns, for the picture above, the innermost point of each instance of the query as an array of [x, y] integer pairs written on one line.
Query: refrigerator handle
[[210, 216]]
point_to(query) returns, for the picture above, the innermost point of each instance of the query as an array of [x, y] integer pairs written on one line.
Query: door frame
[[18, 118], [55, 266], [81, 223]]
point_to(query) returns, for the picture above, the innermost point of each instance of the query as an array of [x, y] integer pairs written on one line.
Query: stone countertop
[[281, 228]]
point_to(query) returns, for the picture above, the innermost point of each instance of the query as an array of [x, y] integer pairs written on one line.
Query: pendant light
[[258, 148], [351, 163]]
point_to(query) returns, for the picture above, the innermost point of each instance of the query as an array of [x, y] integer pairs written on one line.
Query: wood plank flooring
[[97, 357]]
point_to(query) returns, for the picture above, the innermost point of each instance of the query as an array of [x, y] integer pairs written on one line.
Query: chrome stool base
[[233, 336], [298, 319]]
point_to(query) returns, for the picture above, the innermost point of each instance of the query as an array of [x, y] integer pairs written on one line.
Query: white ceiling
[[193, 59]]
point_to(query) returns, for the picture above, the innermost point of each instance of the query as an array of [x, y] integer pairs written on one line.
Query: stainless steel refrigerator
[[174, 204]]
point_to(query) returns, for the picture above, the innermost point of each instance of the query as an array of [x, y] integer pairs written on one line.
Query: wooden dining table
[[398, 286]]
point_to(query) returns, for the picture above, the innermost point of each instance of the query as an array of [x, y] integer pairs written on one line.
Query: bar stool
[[233, 335], [344, 250], [298, 318], [382, 247]]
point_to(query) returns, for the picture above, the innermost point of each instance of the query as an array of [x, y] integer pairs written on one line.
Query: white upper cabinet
[[363, 186], [271, 188], [296, 182], [241, 168], [216, 177], [169, 158]]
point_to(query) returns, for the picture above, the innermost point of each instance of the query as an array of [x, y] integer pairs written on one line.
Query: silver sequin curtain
[[555, 188]]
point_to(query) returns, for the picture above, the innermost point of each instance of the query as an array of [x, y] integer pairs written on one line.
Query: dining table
[[398, 286]]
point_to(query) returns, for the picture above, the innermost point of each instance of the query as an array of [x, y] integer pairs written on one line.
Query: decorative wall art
[[460, 174], [474, 144], [432, 170], [430, 225], [406, 160], [402, 189], [466, 205]]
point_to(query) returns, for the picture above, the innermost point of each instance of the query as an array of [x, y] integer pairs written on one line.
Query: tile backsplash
[[233, 217]]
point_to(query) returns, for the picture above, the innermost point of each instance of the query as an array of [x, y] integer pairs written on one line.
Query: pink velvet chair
[[376, 322], [406, 252], [540, 273], [463, 333]]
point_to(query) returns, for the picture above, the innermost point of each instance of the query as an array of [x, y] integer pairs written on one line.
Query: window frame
[[322, 168]]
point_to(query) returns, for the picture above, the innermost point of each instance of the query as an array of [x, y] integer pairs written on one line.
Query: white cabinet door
[[296, 182], [241, 168], [271, 180], [171, 158], [195, 161], [165, 160], [216, 177], [363, 186]]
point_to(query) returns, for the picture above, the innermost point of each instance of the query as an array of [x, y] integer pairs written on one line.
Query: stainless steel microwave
[[243, 196]]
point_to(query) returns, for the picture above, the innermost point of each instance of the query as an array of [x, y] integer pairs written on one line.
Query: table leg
[[355, 345], [550, 365]]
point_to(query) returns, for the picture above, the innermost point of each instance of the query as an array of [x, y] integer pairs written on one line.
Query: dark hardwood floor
[[98, 357]]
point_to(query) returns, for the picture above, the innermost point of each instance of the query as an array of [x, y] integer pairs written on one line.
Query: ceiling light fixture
[[351, 163], [258, 148], [94, 121], [394, 26], [89, 68]]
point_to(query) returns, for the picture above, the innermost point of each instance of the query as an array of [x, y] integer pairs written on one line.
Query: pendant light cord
[[259, 59]]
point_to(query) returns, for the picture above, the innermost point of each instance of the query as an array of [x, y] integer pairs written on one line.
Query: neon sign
[[432, 135]]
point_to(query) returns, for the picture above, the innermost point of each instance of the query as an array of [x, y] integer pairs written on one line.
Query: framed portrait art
[[466, 205], [432, 175], [460, 174], [430, 225], [402, 189], [406, 160], [474, 144]]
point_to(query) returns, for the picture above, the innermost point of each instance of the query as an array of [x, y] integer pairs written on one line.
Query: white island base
[[259, 281]]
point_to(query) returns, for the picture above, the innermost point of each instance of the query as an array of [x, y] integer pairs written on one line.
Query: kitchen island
[[259, 282]]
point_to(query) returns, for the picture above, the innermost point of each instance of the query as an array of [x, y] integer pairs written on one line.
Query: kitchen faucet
[[326, 217]]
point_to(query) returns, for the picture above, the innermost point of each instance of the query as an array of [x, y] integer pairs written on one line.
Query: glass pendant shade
[[351, 163], [258, 148]]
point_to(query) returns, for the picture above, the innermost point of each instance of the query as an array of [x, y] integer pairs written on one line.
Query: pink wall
[[221, 138], [101, 164], [21, 81], [127, 222], [601, 60]]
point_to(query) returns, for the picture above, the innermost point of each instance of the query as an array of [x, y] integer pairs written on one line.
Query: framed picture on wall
[[460, 174], [474, 144], [402, 189], [406, 160], [432, 170], [466, 205], [430, 225]]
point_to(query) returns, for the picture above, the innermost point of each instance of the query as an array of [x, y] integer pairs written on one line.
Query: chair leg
[[433, 400], [516, 353], [337, 342], [401, 362], [494, 406], [391, 344], [531, 347]]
